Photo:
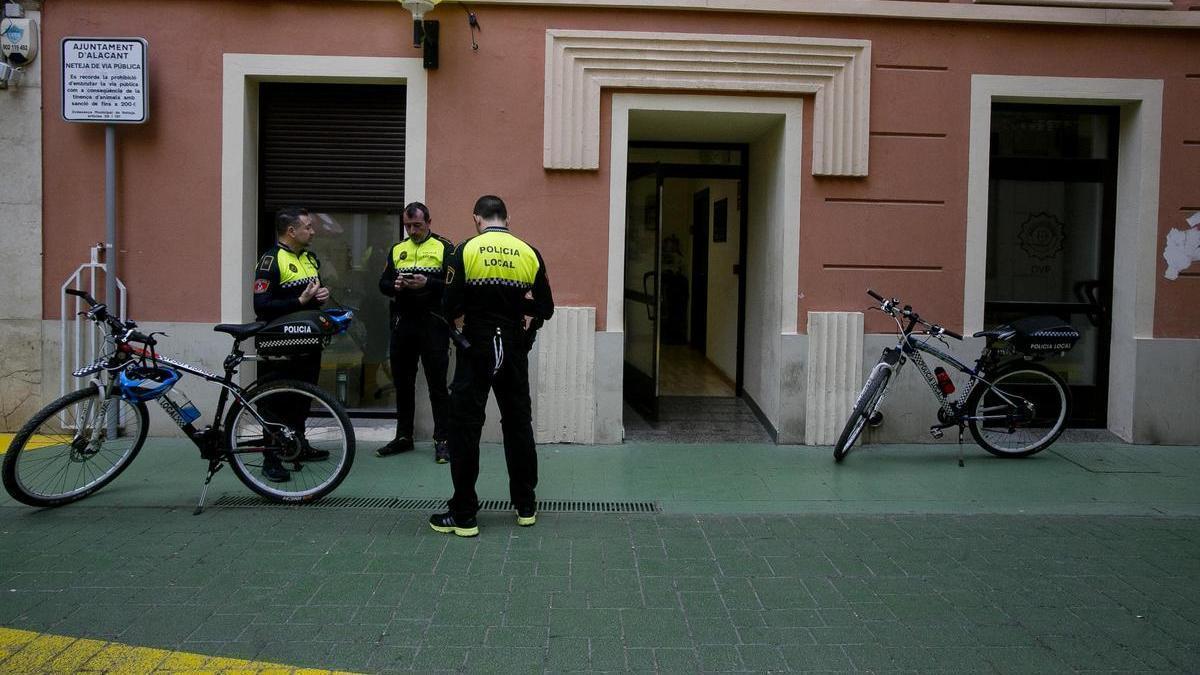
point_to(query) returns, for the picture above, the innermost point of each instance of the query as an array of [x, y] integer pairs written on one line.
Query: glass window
[[353, 249]]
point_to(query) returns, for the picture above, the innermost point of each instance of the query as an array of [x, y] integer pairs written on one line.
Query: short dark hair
[[490, 207], [415, 208], [287, 217]]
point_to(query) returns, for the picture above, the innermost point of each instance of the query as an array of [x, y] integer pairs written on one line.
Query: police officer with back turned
[[287, 280], [494, 282]]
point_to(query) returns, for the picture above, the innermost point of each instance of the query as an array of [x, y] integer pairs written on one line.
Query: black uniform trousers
[[427, 338], [475, 375], [293, 409]]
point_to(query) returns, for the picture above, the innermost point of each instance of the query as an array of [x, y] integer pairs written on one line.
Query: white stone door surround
[[239, 146], [1134, 256], [783, 217]]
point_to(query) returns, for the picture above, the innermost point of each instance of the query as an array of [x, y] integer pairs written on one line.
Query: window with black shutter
[[338, 150]]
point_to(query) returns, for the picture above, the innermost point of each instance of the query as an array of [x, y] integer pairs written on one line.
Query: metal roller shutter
[[331, 147]]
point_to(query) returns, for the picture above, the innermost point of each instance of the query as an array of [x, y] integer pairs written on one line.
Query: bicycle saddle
[[241, 331], [1002, 333]]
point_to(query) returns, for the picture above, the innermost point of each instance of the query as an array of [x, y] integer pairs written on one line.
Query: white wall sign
[[105, 80]]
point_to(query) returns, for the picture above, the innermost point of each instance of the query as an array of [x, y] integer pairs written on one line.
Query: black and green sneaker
[[526, 516], [447, 524]]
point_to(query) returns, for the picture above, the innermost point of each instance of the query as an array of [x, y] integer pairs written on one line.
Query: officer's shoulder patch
[[261, 285], [449, 275], [266, 263], [404, 255]]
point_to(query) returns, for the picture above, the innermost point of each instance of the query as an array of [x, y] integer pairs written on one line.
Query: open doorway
[[685, 292]]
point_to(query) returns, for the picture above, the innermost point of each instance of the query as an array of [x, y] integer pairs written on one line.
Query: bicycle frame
[[207, 439], [910, 346]]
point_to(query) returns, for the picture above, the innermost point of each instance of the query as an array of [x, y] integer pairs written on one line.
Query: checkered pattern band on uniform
[[499, 282], [291, 342], [424, 270], [298, 282]]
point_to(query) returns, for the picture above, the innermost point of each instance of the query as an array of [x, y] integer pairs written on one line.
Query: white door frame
[[783, 213], [1134, 260], [239, 147]]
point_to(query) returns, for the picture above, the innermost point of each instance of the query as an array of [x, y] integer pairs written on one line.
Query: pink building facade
[[713, 187]]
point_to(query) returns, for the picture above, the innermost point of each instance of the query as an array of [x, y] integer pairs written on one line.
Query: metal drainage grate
[[397, 504]]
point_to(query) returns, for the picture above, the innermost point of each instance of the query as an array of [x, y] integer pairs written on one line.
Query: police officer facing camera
[[414, 278], [494, 282], [286, 280]]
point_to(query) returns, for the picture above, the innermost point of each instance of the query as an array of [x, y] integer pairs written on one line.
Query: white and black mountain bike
[[1013, 405]]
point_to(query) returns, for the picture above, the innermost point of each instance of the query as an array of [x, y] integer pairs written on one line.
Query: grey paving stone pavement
[[1101, 575]]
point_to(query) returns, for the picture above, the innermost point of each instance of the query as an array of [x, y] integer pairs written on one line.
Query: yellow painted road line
[[35, 442], [25, 652]]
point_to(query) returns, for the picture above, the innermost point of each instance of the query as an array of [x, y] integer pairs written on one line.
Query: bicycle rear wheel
[[73, 447], [864, 407], [300, 418], [1021, 412]]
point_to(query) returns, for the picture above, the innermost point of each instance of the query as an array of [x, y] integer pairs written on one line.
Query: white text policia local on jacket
[[498, 256], [502, 250]]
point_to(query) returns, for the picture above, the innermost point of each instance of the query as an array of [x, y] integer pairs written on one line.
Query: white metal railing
[[81, 341]]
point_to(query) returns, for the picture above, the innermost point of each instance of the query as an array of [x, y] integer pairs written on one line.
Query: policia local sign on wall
[[105, 80]]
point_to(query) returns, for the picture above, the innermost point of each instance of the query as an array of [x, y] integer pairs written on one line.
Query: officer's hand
[[417, 281], [309, 292], [322, 295], [400, 283]]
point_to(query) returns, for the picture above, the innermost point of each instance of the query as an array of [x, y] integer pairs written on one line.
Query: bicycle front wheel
[[1021, 411], [73, 447], [864, 407], [300, 428]]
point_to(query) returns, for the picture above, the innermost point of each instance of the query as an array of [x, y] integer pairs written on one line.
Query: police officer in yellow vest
[[287, 279], [494, 282], [414, 278]]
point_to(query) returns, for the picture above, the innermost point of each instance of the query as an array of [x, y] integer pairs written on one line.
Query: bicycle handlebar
[[889, 307], [123, 331]]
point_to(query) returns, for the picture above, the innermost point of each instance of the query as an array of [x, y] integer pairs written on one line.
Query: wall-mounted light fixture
[[425, 33]]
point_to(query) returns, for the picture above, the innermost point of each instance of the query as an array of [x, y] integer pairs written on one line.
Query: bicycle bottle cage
[[304, 332], [146, 383], [1039, 336]]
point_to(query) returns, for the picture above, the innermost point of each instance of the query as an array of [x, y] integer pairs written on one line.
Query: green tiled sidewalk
[[767, 559]]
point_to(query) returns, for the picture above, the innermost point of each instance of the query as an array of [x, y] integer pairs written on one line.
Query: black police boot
[[395, 446], [310, 454], [273, 470]]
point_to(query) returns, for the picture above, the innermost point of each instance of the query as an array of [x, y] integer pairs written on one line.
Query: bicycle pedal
[[936, 433]]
